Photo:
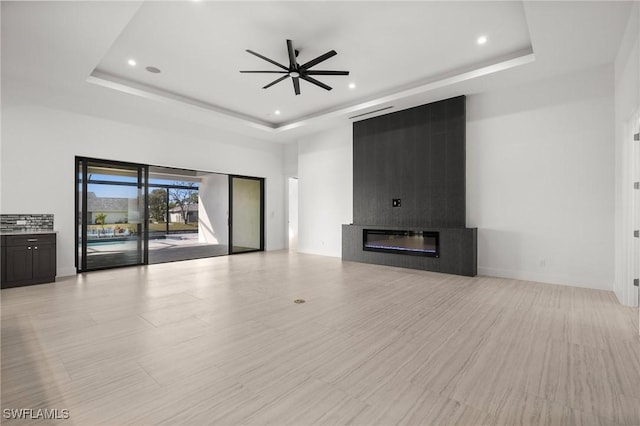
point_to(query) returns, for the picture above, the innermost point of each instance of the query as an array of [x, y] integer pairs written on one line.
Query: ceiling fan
[[297, 71]]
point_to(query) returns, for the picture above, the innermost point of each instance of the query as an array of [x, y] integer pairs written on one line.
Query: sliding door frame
[[81, 209], [262, 209], [81, 215]]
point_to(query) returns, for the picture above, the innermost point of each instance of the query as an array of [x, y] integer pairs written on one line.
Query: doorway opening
[[293, 214]]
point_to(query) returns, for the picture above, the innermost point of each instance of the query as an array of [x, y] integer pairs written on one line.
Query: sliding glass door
[[112, 211], [187, 214], [136, 214], [246, 202]]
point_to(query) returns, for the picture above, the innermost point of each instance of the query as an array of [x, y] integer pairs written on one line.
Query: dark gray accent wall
[[416, 155], [415, 159]]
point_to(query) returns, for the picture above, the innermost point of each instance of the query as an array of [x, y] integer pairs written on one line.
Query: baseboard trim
[[319, 253], [569, 280]]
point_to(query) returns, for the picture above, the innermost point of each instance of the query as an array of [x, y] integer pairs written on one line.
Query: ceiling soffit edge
[[512, 60]]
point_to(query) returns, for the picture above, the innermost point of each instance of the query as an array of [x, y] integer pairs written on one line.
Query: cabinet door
[[19, 263], [3, 257], [44, 260]]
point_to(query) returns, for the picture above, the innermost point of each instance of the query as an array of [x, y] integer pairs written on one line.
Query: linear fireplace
[[418, 243]]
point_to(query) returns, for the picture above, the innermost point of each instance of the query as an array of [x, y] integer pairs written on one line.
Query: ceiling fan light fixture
[[297, 71]]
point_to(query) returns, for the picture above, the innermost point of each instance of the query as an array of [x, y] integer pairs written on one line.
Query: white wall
[[213, 209], [291, 160], [539, 182], [39, 145], [627, 105], [325, 190], [540, 171]]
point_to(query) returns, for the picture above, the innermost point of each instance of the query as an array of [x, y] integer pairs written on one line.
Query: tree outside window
[[158, 204], [184, 198]]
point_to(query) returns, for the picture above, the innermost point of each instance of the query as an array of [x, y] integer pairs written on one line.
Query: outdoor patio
[[106, 251]]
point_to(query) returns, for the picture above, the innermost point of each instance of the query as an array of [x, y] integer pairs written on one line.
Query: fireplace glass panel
[[419, 243]]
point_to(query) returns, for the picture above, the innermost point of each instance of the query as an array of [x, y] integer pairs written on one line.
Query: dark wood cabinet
[[19, 263], [28, 259]]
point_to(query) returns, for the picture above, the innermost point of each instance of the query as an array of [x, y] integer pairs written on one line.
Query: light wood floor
[[220, 341]]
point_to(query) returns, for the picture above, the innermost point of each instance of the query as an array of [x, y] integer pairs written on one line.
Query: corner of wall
[[325, 193]]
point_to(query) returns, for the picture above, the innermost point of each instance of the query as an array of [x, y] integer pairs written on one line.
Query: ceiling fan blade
[[319, 59], [296, 85], [310, 72], [267, 72], [292, 55], [314, 81], [268, 60], [275, 81]]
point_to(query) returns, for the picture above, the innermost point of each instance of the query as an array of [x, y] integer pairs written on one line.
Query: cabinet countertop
[[27, 233]]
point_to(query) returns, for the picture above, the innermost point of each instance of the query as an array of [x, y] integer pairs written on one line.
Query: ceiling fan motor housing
[[297, 71]]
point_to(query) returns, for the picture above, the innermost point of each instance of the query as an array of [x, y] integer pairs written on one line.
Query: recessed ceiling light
[[277, 112], [352, 85], [132, 62], [482, 40], [153, 70]]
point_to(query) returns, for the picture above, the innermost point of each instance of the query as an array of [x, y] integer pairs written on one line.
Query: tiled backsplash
[[26, 222]]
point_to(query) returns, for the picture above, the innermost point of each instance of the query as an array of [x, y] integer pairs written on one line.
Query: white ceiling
[[200, 48], [73, 55]]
